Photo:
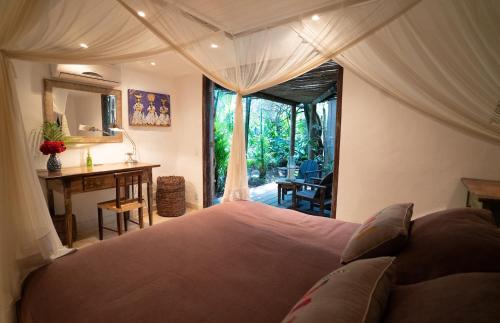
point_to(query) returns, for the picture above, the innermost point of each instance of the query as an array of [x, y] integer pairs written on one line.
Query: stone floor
[[90, 237]]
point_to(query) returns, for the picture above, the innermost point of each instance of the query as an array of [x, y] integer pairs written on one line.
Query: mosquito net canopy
[[438, 56]]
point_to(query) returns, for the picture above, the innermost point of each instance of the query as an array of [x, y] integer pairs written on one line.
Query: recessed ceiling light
[[315, 18], [153, 63], [141, 14], [83, 45], [214, 45]]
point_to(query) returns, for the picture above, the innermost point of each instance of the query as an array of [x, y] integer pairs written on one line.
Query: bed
[[236, 262]]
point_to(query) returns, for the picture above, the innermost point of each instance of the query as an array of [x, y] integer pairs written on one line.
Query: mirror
[[74, 104]]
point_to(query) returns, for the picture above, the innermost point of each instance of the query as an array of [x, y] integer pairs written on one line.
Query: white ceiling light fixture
[[214, 45], [83, 45], [315, 17], [141, 13], [152, 63]]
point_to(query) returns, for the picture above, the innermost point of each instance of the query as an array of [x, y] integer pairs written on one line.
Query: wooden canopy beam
[[271, 97], [325, 95]]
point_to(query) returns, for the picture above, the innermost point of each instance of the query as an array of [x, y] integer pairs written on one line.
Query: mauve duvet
[[235, 262]]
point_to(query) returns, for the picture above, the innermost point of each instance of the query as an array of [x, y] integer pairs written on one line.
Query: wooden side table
[[487, 192], [283, 188]]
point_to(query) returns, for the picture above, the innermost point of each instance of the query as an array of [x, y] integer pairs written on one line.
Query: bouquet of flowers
[[53, 139], [52, 147]]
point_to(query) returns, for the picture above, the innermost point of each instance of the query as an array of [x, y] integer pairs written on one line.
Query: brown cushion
[[384, 234], [472, 297], [449, 242], [357, 292]]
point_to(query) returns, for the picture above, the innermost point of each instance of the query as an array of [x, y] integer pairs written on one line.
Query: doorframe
[[336, 159], [207, 132], [208, 115]]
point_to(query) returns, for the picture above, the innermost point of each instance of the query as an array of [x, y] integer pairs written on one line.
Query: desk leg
[[126, 215], [50, 201], [68, 211], [150, 197]]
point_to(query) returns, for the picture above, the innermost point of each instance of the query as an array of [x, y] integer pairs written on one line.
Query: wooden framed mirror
[[74, 104]]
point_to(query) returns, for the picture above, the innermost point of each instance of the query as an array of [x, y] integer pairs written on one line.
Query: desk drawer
[[94, 183]]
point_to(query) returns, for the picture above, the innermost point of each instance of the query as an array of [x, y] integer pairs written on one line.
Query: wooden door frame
[[336, 159], [208, 115]]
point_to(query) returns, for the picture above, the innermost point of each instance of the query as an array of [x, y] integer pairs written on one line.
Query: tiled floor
[[91, 237]]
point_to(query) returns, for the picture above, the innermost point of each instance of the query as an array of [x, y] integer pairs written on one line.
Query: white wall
[[176, 148], [390, 153]]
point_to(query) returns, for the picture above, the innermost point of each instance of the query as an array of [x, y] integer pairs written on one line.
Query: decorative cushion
[[356, 292], [448, 242], [384, 234], [472, 297]]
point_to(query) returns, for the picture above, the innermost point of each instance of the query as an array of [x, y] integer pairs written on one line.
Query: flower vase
[[54, 163]]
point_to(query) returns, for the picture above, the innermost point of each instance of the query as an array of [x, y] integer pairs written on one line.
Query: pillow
[[384, 234], [449, 242], [357, 292], [472, 297]]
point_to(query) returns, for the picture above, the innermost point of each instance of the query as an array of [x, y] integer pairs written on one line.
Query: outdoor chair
[[307, 170], [318, 194]]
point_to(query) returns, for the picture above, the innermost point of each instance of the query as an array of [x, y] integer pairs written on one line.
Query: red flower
[[52, 147]]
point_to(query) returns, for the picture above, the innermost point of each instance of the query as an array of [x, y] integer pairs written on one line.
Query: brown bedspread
[[236, 262]]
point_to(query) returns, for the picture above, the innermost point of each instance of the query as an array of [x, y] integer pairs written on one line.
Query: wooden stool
[[123, 205]]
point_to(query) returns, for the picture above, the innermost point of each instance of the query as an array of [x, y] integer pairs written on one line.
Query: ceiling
[[169, 64], [241, 16]]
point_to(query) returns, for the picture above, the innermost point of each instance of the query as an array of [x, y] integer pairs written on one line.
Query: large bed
[[237, 262]]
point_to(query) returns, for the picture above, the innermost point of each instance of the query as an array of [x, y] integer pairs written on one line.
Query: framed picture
[[148, 109]]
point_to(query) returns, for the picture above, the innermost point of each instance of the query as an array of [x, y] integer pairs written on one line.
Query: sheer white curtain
[[276, 50], [27, 235], [49, 31], [441, 58]]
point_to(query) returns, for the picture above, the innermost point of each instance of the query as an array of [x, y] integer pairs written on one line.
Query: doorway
[[299, 118]]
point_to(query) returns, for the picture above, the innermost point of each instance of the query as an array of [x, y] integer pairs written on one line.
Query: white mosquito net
[[438, 56]]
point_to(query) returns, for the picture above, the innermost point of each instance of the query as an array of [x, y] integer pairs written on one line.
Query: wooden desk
[[74, 180], [487, 192]]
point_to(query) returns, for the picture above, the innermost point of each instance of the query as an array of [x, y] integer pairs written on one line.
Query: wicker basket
[[170, 196]]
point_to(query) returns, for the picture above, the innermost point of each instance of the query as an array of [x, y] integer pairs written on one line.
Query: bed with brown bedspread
[[236, 262]]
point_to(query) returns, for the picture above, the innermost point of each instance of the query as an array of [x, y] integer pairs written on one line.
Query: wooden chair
[[308, 169], [319, 194], [122, 205]]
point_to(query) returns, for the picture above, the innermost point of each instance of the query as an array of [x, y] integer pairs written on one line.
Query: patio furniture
[[283, 188], [318, 194], [308, 169]]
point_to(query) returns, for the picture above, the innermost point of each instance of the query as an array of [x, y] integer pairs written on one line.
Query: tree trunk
[[262, 170], [292, 130], [315, 143]]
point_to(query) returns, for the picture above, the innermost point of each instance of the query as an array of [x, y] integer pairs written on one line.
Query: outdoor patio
[[268, 194]]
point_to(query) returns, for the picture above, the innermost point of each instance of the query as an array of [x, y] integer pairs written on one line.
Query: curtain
[[442, 59], [46, 31], [276, 50], [27, 236]]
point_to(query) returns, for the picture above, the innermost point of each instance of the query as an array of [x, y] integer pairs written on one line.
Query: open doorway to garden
[[291, 131]]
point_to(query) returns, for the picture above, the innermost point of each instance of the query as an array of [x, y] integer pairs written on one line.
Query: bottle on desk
[[90, 163]]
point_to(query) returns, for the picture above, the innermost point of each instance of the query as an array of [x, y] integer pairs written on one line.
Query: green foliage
[[268, 138], [52, 132], [223, 128]]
